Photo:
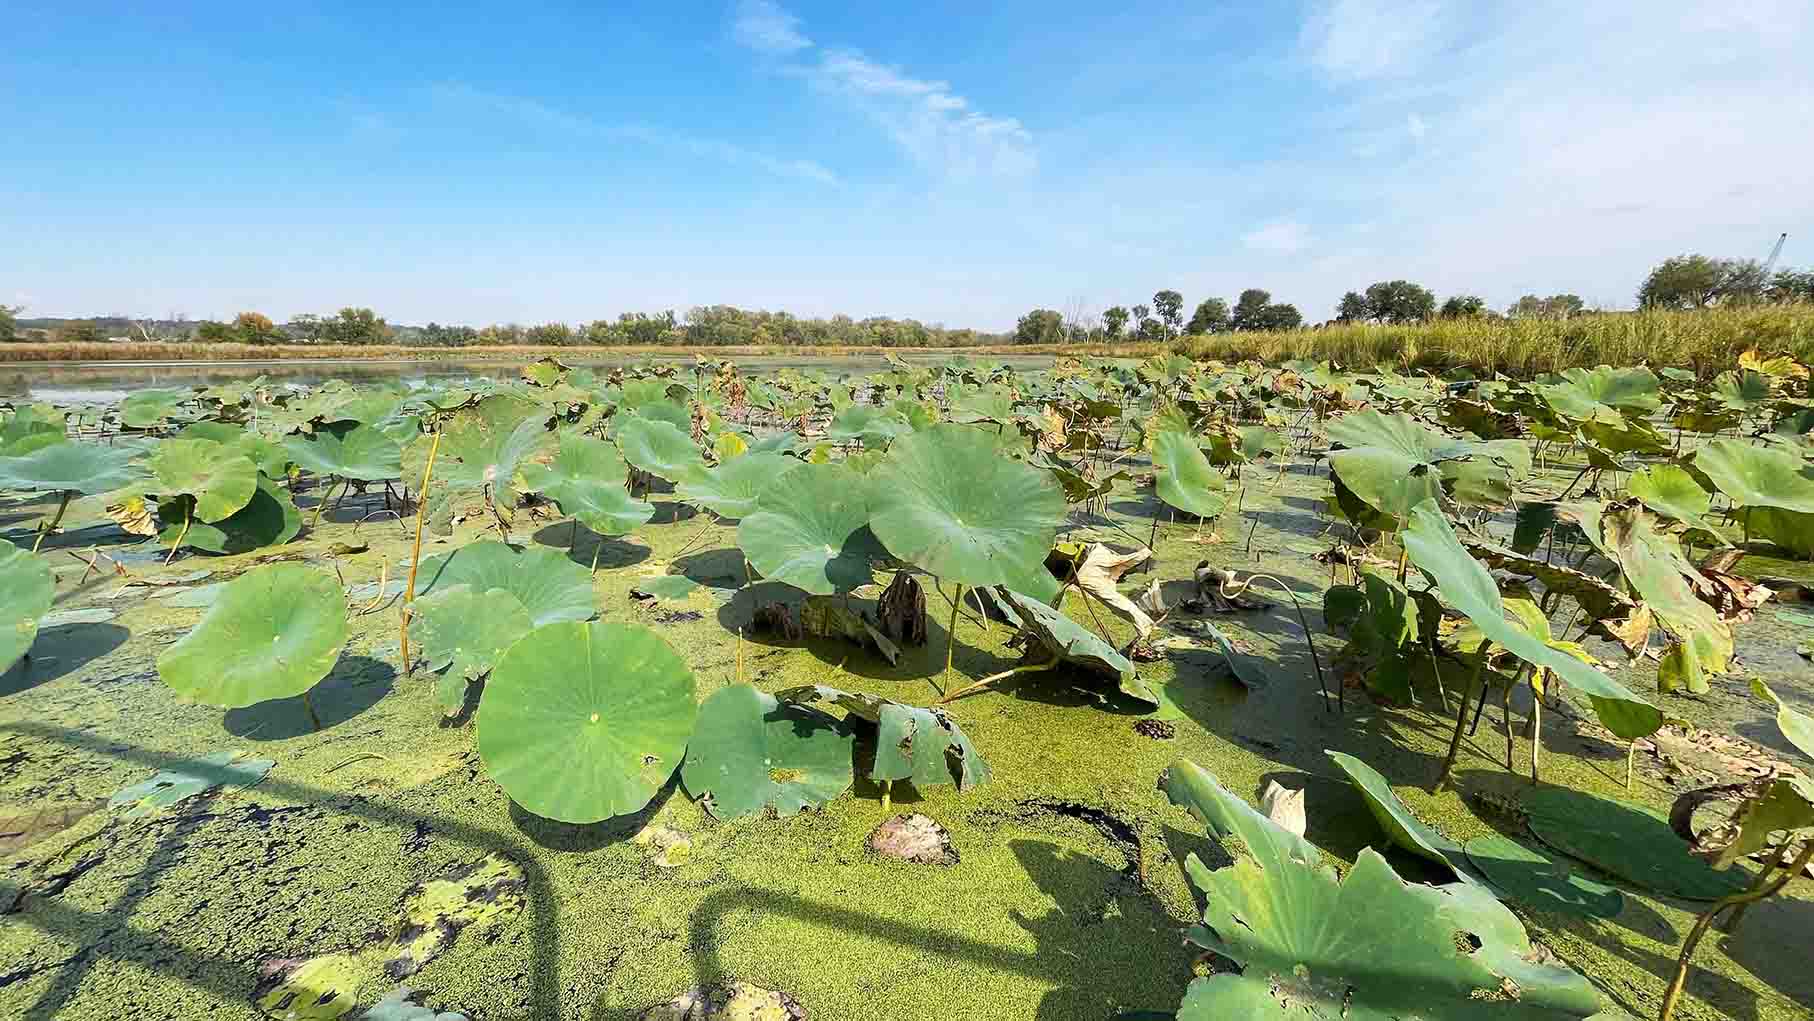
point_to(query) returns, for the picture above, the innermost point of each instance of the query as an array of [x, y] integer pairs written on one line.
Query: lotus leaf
[[400, 1004], [234, 770], [1755, 476], [584, 721], [482, 448], [550, 587], [751, 753], [26, 593], [1431, 543], [869, 425], [732, 489], [68, 466], [1614, 612], [1604, 394], [1791, 530], [1405, 829], [1485, 477], [1657, 570], [1381, 620], [1625, 840], [1241, 666], [783, 442], [29, 427], [1184, 479], [268, 519], [1311, 944], [148, 409], [1391, 463], [268, 454], [947, 502], [1540, 882], [1067, 641], [586, 478], [1795, 725], [360, 452], [925, 747], [220, 479], [464, 631], [273, 632], [662, 449], [1673, 492], [810, 530]]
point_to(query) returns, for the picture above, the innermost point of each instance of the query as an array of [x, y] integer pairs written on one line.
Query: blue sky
[[955, 162]]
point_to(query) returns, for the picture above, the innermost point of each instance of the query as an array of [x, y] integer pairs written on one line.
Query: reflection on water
[[110, 382]]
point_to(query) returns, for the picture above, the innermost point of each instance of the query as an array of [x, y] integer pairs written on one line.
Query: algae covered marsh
[[623, 695]]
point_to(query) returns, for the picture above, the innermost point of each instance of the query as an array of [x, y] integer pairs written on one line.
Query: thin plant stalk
[[188, 519], [325, 492], [55, 520], [1341, 694], [1024, 668], [1536, 734], [1766, 886], [951, 635], [415, 553], [1461, 723]]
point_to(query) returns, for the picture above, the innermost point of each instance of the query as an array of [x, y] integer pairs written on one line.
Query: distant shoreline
[[154, 354]]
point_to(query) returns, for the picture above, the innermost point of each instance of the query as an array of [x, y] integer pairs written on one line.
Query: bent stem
[[415, 554], [1024, 668], [1766, 886], [319, 507], [1341, 693], [188, 519], [55, 520]]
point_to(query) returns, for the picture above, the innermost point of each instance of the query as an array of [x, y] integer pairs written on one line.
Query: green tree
[[209, 331], [1040, 326], [1792, 285], [1556, 306], [1352, 309], [9, 322], [78, 331], [1464, 306], [253, 328], [1249, 309], [354, 326], [1211, 317], [1399, 301], [549, 335], [1113, 322], [1170, 307], [1697, 281], [1280, 317]]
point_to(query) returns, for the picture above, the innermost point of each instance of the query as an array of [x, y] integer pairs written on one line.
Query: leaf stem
[[56, 519], [1766, 886], [415, 553]]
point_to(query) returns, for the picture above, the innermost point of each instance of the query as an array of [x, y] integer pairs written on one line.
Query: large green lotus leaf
[[865, 423], [751, 753], [784, 442], [360, 452], [1791, 530], [1184, 478], [273, 632], [1603, 394], [1538, 881], [482, 446], [587, 478], [221, 479], [27, 590], [1405, 829], [1756, 476], [584, 721], [1391, 463], [1485, 477], [1625, 840], [1069, 642], [270, 518], [671, 412], [1365, 947], [925, 747], [29, 427], [268, 454], [1658, 571], [662, 449], [810, 529], [732, 489], [147, 409], [68, 466], [464, 631], [1742, 390], [1672, 491], [1465, 584], [550, 586], [946, 501]]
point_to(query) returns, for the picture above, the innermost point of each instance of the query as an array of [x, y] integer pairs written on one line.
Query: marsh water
[[109, 382]]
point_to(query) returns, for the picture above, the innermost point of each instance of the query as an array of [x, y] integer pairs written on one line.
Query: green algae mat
[[623, 695]]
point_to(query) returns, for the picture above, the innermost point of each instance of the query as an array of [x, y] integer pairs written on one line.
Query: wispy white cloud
[[1416, 126], [544, 117], [765, 27], [1354, 40], [1281, 237]]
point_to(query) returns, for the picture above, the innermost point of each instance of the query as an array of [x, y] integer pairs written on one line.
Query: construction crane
[[1770, 263]]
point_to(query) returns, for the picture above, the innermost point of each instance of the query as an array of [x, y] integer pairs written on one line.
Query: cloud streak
[[762, 25]]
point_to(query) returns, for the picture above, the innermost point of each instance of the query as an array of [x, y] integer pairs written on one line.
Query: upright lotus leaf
[[1614, 613], [268, 454], [868, 425], [1795, 725], [550, 586], [810, 529], [148, 409], [1742, 390], [947, 502], [27, 591], [751, 753], [1658, 571], [783, 442], [1382, 624], [1604, 394], [1756, 476], [68, 466], [270, 518], [220, 479], [925, 747], [233, 769], [273, 632], [732, 489], [1391, 463], [1791, 530], [1365, 947], [360, 452], [1628, 841], [482, 448], [464, 631], [1184, 478], [1485, 477], [662, 449], [1404, 829], [29, 427], [673, 413], [1431, 543], [586, 478], [584, 721], [1673, 492], [1066, 641]]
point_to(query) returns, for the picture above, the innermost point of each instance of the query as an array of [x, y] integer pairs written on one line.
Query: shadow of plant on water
[[59, 651], [354, 685]]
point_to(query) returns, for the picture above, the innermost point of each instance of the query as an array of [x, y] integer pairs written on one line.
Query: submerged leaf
[[235, 770], [1625, 840]]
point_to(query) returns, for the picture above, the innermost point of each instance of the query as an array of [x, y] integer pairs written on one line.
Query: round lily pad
[[660, 448], [810, 529], [219, 478], [464, 630], [360, 452], [268, 519], [1537, 881], [70, 466], [582, 722], [1628, 841], [586, 478], [732, 489], [273, 632], [551, 587], [26, 592], [750, 753], [946, 500]]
